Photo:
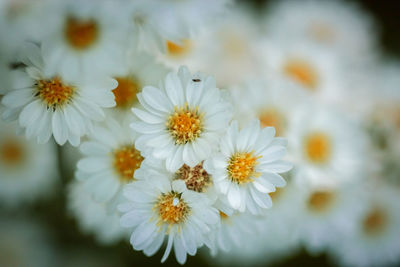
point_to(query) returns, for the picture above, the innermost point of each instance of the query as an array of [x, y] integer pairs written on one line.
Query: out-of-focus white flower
[[110, 160], [339, 27], [24, 242], [86, 39], [183, 120], [247, 166], [100, 219], [317, 72], [326, 147], [270, 100], [158, 22], [133, 73], [326, 214], [159, 208], [23, 177], [45, 103], [375, 242]]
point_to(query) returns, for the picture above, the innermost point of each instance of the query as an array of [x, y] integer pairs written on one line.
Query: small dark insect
[[196, 80]]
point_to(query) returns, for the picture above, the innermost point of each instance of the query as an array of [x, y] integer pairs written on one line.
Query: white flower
[[87, 38], [247, 166], [100, 219], [339, 27], [159, 208], [325, 146], [327, 213], [133, 73], [23, 177], [45, 103], [110, 160], [183, 120], [375, 242]]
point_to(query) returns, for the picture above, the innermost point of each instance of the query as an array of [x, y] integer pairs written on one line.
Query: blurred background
[[48, 234]]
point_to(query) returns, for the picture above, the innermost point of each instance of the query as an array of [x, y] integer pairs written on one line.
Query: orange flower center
[[178, 50], [223, 215], [318, 148], [126, 161], [241, 167], [171, 208], [320, 201], [185, 124], [273, 118], [302, 72], [375, 221], [81, 34], [11, 152], [196, 178], [54, 92], [125, 93]]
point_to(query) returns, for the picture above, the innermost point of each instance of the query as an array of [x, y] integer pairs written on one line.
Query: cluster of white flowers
[[162, 156]]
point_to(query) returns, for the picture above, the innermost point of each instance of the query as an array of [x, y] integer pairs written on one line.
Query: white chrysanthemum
[[93, 217], [326, 214], [157, 22], [325, 146], [87, 38], [318, 73], [24, 242], [133, 73], [269, 100], [183, 120], [247, 166], [45, 103], [337, 26], [159, 208], [110, 160], [376, 239], [22, 176]]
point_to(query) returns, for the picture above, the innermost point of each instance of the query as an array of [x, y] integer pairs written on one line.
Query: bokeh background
[[73, 248]]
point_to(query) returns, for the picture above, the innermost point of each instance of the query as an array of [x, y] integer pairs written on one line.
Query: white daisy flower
[[22, 176], [110, 160], [99, 219], [160, 208], [340, 27], [375, 242], [326, 214], [318, 73], [247, 166], [133, 73], [25, 242], [87, 38], [325, 146], [158, 22], [45, 103], [181, 121], [269, 100]]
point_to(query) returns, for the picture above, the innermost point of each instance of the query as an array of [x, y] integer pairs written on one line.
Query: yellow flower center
[[273, 118], [320, 201], [321, 32], [223, 215], [125, 92], [241, 167], [171, 208], [126, 161], [11, 152], [54, 92], [302, 72], [185, 124], [318, 147], [81, 34], [178, 50], [375, 222], [196, 178]]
